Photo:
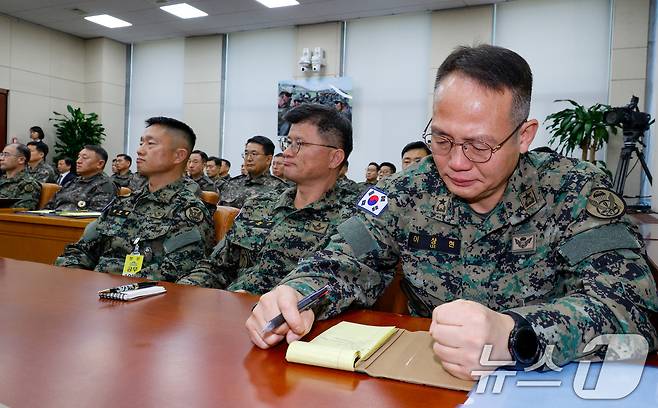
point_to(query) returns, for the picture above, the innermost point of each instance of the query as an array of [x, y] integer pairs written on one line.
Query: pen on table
[[131, 286], [302, 305]]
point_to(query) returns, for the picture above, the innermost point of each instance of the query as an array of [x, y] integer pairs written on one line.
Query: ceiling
[[224, 16]]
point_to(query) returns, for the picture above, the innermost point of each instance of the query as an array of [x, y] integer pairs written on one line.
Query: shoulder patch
[[194, 214], [28, 188], [605, 203], [374, 201]]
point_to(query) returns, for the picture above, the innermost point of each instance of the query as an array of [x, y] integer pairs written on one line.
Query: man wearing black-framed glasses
[[274, 230], [258, 152], [529, 253]]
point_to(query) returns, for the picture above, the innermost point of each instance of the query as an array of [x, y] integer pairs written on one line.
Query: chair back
[[223, 219], [124, 192], [48, 190], [210, 197]]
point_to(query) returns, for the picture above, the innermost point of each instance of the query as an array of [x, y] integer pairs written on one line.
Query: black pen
[[131, 286], [302, 305]]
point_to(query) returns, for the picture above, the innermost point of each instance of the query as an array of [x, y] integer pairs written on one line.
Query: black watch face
[[525, 345]]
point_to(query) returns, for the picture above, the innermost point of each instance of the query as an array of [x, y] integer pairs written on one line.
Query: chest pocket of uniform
[[527, 279], [250, 236]]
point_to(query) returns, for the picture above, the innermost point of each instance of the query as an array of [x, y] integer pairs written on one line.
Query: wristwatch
[[523, 343]]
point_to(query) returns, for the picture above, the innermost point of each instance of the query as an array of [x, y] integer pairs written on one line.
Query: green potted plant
[[579, 127], [76, 130]]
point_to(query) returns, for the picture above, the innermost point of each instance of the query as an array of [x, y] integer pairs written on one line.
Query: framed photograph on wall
[[333, 92]]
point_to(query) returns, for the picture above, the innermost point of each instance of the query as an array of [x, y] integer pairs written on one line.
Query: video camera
[[629, 117]]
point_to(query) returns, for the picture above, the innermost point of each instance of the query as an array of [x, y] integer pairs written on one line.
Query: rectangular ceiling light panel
[[108, 21], [278, 3], [184, 10]]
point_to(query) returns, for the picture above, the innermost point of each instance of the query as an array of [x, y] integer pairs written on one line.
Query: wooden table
[[61, 346], [38, 238]]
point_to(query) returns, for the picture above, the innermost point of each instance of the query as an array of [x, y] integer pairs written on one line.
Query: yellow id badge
[[133, 264]]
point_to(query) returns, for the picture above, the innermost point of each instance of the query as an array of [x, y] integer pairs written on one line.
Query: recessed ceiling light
[[108, 21], [278, 3], [184, 10]]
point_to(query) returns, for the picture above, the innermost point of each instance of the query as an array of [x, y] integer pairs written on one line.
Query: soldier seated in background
[[529, 253], [165, 226], [16, 182], [196, 164], [413, 153], [257, 159], [92, 190], [371, 175], [386, 169], [37, 167], [123, 175], [274, 230]]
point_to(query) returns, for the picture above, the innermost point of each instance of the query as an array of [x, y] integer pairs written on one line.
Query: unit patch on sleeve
[[605, 203]]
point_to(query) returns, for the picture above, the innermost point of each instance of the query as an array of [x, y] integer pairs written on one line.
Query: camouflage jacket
[[92, 194], [236, 191], [540, 253], [205, 183], [122, 180], [23, 187], [43, 173], [350, 184], [137, 182], [172, 224], [269, 237]]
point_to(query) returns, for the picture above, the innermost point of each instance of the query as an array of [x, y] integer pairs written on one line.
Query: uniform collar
[[328, 199], [167, 193]]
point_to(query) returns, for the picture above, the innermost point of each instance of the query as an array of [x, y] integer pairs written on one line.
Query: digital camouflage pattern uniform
[[122, 180], [269, 237], [172, 224], [205, 183], [137, 182], [237, 190], [23, 187], [350, 184], [539, 253], [43, 172], [91, 194]]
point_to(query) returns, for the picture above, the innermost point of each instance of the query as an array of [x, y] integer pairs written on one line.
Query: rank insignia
[[528, 198], [194, 214], [605, 203], [524, 243], [28, 188], [442, 205], [318, 227], [374, 201]]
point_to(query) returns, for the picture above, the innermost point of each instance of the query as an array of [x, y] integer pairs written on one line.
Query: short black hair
[[22, 150], [41, 146], [373, 164], [330, 123], [99, 151], [286, 93], [415, 145], [267, 144], [204, 156], [174, 124], [389, 165], [495, 68], [126, 157], [228, 163], [38, 130], [216, 160], [278, 155], [69, 162]]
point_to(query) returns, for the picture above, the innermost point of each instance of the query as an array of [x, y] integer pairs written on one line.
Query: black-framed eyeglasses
[[251, 154], [296, 145], [477, 152]]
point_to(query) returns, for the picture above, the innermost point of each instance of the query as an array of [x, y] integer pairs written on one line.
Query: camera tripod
[[631, 138]]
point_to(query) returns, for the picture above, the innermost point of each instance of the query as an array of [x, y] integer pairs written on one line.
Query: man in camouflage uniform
[[15, 182], [274, 230], [123, 175], [530, 253], [195, 167], [257, 159], [137, 182], [92, 190], [165, 224], [38, 168]]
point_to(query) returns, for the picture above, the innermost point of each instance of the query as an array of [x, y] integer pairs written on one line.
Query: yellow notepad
[[340, 346]]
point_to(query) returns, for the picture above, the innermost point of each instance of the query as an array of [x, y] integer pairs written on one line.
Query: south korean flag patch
[[373, 201]]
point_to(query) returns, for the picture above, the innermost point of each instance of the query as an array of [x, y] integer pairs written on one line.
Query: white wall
[[156, 86], [566, 43], [390, 85], [257, 61]]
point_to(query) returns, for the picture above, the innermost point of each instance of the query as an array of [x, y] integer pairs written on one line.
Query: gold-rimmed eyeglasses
[[475, 151], [296, 145]]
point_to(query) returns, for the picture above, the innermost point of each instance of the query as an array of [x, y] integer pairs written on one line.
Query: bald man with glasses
[[530, 254], [274, 230]]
